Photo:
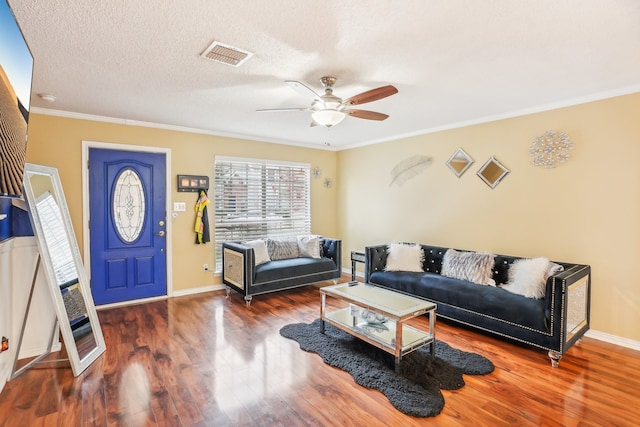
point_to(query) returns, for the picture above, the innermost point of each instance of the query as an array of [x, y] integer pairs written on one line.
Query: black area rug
[[415, 390]]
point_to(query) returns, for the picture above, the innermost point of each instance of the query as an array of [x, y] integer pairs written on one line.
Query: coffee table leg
[[432, 330], [322, 307], [398, 345]]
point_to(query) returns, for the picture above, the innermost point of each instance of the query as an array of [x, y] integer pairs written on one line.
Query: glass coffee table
[[377, 315]]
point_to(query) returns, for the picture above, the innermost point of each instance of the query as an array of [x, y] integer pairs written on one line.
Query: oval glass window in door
[[128, 205]]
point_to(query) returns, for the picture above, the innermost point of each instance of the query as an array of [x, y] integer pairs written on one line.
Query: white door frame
[[86, 145]]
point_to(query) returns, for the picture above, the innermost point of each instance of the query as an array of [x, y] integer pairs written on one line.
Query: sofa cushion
[[528, 277], [292, 268], [456, 296], [260, 252], [475, 267], [403, 257], [282, 248]]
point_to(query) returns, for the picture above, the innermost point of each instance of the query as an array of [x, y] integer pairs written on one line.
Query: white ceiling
[[454, 62]]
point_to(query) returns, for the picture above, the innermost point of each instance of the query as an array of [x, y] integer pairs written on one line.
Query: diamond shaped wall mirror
[[492, 172], [459, 162]]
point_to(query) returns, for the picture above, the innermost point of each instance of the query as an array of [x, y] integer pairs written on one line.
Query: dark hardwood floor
[[206, 360]]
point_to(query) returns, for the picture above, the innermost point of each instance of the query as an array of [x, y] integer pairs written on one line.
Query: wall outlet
[[205, 267]]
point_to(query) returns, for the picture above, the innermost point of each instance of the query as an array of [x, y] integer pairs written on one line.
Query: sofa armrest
[[375, 259], [332, 249], [559, 283], [569, 293], [238, 265]]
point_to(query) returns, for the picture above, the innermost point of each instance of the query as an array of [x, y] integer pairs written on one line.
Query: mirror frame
[[495, 180], [460, 154], [78, 365]]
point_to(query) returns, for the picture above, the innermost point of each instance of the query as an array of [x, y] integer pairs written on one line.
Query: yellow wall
[[584, 211], [56, 141]]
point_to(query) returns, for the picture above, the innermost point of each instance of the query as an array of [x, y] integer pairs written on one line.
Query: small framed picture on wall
[[193, 183]]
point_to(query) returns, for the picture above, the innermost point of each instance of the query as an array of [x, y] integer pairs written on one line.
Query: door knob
[[161, 223], [160, 233]]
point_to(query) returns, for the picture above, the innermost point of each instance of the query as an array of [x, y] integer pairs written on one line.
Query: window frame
[[258, 199]]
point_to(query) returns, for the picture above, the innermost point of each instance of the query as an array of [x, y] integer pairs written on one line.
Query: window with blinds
[[255, 199]]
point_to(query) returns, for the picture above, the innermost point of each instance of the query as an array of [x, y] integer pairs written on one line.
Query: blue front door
[[127, 225]]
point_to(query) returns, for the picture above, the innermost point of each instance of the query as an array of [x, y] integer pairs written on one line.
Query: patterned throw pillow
[[475, 267], [282, 248]]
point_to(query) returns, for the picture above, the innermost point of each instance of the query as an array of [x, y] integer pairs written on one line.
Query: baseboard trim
[[199, 290], [181, 293], [613, 339], [131, 302]]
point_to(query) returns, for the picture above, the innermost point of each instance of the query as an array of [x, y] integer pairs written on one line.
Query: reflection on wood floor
[[206, 360]]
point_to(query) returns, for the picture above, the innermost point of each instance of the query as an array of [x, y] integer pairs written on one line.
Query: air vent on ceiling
[[226, 54]]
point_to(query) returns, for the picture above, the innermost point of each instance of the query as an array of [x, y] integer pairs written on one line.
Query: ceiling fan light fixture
[[328, 117], [328, 110]]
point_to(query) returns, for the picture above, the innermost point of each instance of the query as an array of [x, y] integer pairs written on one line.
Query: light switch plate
[[179, 206]]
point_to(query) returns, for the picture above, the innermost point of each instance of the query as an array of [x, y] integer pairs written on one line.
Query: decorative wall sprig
[[551, 148]]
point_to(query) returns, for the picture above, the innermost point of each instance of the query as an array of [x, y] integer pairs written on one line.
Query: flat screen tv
[[16, 71]]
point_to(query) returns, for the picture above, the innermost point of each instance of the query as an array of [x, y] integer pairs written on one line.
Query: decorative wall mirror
[[60, 258], [459, 162], [492, 172]]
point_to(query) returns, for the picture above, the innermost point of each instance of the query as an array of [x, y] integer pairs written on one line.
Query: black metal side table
[[356, 256]]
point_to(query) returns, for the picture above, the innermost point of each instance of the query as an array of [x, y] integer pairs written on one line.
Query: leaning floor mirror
[[60, 258]]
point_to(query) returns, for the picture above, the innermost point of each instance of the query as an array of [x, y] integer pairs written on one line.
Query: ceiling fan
[[329, 110]]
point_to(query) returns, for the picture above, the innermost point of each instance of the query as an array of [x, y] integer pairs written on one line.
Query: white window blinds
[[255, 199]]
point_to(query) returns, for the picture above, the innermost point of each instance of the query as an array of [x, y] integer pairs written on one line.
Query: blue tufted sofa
[[554, 322], [240, 272]]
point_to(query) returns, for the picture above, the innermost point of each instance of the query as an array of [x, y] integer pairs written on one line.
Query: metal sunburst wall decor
[[316, 172], [551, 148]]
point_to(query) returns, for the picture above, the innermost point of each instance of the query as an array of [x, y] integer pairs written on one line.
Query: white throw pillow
[[403, 257], [260, 252], [528, 277], [476, 267], [309, 246]]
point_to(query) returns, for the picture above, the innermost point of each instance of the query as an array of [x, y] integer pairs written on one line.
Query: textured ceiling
[[453, 61]]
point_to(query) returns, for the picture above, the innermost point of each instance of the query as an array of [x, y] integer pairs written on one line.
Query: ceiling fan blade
[[276, 110], [302, 89], [371, 95], [364, 114]]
